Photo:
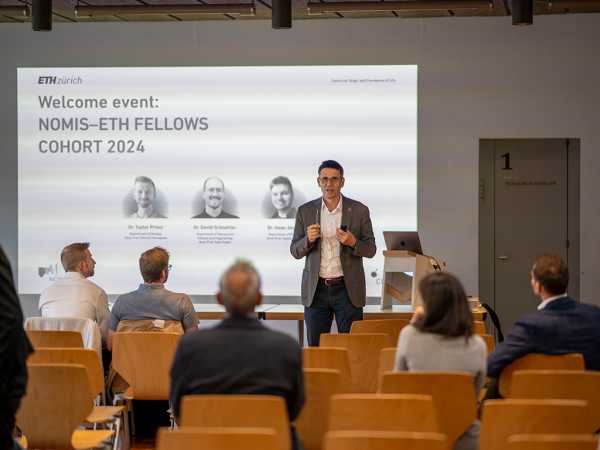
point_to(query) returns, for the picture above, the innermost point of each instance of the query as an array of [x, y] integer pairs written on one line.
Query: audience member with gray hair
[[240, 355]]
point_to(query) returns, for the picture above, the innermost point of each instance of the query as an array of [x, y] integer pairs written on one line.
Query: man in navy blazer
[[561, 324], [333, 234]]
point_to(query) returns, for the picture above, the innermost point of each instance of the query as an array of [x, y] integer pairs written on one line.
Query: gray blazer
[[356, 216]]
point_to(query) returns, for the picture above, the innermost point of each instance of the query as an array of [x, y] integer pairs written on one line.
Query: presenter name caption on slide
[[120, 122]]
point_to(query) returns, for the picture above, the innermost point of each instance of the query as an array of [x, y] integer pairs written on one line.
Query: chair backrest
[[89, 329], [334, 358], [319, 386], [490, 343], [217, 439], [479, 327], [384, 440], [561, 384], [569, 361], [144, 360], [55, 338], [391, 327], [166, 326], [363, 352], [503, 418], [83, 356], [263, 411], [58, 400], [552, 442], [387, 361], [382, 412], [453, 395]]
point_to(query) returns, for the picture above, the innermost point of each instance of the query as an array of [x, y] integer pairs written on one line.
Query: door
[[530, 217]]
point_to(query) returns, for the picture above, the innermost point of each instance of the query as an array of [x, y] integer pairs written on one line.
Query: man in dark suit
[[333, 233], [240, 355], [561, 324], [14, 349]]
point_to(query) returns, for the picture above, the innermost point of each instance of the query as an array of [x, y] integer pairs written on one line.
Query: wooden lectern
[[399, 286]]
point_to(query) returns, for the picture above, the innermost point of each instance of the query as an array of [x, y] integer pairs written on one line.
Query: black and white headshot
[[215, 201], [143, 201], [282, 198]]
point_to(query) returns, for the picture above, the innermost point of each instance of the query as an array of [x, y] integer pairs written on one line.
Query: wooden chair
[[552, 442], [233, 411], [100, 415], [503, 418], [55, 338], [453, 395], [391, 327], [479, 327], [319, 385], [387, 361], [384, 440], [490, 343], [382, 412], [144, 360], [333, 358], [562, 384], [363, 352], [569, 361], [217, 439], [83, 356], [57, 402]]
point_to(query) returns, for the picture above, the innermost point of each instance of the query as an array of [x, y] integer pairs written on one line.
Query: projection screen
[[130, 158]]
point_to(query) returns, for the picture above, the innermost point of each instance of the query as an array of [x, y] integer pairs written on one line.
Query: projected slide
[[210, 163]]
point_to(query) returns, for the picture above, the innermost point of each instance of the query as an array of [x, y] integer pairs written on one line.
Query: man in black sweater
[[14, 349], [240, 355]]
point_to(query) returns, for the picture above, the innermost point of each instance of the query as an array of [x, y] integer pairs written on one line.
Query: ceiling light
[[242, 9]]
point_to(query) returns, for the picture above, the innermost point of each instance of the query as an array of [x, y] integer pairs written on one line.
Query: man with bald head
[[240, 355]]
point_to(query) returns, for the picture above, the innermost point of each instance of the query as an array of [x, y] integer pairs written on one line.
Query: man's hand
[[313, 232], [345, 237]]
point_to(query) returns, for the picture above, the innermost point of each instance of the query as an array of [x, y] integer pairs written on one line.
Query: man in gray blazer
[[334, 233]]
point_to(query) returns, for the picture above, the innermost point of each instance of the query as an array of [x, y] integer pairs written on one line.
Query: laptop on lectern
[[403, 240]]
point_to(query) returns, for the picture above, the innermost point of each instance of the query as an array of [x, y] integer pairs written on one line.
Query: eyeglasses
[[332, 180]]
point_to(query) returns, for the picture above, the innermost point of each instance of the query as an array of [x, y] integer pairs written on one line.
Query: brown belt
[[332, 281]]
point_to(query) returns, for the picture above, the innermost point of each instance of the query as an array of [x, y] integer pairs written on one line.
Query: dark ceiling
[[64, 10]]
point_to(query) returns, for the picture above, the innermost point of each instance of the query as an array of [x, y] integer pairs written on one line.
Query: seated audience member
[[151, 307], [14, 349], [560, 325], [240, 355], [440, 338], [74, 295]]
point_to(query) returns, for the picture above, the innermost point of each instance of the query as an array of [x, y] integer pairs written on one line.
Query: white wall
[[478, 78]]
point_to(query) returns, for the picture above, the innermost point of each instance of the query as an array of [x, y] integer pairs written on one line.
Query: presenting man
[[282, 196], [334, 233], [560, 325], [144, 194], [214, 195]]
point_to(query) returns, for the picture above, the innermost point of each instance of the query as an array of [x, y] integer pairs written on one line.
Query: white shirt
[[74, 296], [550, 299], [331, 264]]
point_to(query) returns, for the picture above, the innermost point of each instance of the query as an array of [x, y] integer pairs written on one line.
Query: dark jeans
[[327, 302]]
